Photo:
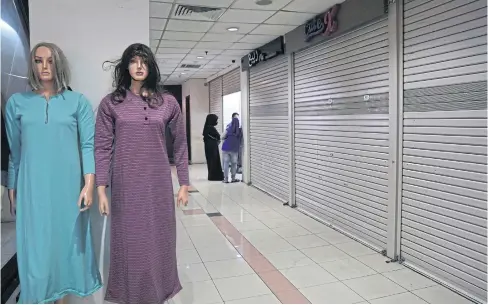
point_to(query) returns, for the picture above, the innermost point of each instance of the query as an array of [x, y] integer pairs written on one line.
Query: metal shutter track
[[231, 82], [215, 90], [341, 132], [444, 142], [269, 127]]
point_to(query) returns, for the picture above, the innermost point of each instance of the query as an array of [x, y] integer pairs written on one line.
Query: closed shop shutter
[[231, 82], [444, 142], [341, 132], [269, 127], [215, 91]]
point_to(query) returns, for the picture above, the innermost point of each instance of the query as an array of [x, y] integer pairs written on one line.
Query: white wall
[[91, 32], [199, 109]]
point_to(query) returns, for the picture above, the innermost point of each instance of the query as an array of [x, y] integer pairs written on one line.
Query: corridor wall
[[444, 182]]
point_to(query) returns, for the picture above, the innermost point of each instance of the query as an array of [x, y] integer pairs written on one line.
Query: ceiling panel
[[213, 45], [202, 52], [245, 46], [188, 26], [311, 6], [236, 52], [155, 34], [249, 4], [170, 56], [177, 44], [222, 37], [173, 50], [243, 28], [270, 29], [158, 9], [245, 16], [154, 43], [261, 39], [290, 18], [187, 36], [157, 23]]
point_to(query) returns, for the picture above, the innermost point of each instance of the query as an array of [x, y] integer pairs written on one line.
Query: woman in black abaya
[[211, 138]]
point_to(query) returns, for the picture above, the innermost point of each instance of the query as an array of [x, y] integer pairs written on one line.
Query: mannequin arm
[[178, 131], [86, 129], [104, 137], [12, 125]]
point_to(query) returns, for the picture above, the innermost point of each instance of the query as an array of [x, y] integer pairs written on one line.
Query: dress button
[[146, 118], [145, 108]]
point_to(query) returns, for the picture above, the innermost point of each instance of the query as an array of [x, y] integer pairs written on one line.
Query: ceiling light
[[183, 73], [233, 29], [263, 2], [199, 57]]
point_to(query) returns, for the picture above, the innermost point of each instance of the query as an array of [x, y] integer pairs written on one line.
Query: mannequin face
[[138, 69], [44, 64]]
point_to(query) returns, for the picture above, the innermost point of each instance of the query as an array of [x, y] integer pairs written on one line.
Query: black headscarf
[[209, 130]]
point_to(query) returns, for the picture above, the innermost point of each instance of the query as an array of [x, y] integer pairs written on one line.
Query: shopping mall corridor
[[238, 245]]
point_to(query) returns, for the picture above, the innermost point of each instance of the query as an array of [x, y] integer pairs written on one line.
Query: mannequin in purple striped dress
[[130, 154]]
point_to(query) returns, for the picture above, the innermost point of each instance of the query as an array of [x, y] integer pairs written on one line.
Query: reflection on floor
[[238, 245]]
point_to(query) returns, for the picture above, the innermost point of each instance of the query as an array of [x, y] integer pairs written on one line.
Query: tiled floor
[[253, 250]]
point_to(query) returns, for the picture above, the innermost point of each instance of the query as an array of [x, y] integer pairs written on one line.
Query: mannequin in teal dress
[[51, 133]]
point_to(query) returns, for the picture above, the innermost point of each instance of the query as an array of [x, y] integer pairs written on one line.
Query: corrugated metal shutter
[[215, 91], [341, 132], [231, 82], [444, 142], [269, 127]]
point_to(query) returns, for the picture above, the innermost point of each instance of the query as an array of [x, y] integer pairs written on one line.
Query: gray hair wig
[[61, 73]]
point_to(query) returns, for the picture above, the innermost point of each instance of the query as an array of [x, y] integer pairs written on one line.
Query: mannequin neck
[[47, 89], [135, 87]]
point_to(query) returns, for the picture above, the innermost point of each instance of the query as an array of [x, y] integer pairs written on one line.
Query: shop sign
[[323, 24], [255, 57], [266, 52]]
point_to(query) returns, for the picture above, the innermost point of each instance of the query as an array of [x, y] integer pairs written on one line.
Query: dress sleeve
[[104, 137], [12, 126], [86, 129], [178, 132]]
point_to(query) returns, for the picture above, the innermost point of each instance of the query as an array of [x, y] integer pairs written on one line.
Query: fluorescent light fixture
[[233, 29], [183, 73], [199, 57]]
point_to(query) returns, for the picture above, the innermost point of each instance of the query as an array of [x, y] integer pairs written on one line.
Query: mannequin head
[[48, 69], [136, 69]]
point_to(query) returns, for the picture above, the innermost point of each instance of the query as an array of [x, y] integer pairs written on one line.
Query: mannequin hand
[[12, 196], [103, 202], [86, 197], [182, 196]]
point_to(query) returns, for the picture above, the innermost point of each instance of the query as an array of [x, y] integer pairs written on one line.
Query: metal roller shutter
[[231, 82], [215, 91], [444, 143], [269, 127], [341, 132]]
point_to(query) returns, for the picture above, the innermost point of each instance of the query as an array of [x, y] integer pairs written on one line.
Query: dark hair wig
[[122, 79]]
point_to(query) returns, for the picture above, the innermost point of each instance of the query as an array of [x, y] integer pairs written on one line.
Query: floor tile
[[198, 293], [409, 279], [289, 259], [306, 241], [276, 281], [333, 237], [325, 254], [263, 299], [402, 298], [308, 276], [259, 235], [274, 223], [273, 246], [185, 257], [250, 226], [259, 263], [374, 287], [379, 263], [241, 287], [291, 231], [267, 215], [440, 295], [292, 297], [228, 268], [355, 249], [191, 273], [334, 293], [347, 269], [213, 253]]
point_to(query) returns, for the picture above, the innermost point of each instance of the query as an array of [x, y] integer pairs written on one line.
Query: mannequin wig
[[61, 73], [151, 88]]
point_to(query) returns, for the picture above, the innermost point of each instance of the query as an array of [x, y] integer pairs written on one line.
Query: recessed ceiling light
[[233, 29], [183, 73], [263, 2], [199, 57]]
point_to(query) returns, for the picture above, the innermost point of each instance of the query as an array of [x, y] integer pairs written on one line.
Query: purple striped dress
[[131, 157]]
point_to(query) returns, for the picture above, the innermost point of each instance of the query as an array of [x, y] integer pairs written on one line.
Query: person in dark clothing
[[211, 138]]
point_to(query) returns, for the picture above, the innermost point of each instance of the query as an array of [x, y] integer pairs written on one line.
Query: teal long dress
[[51, 149]]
